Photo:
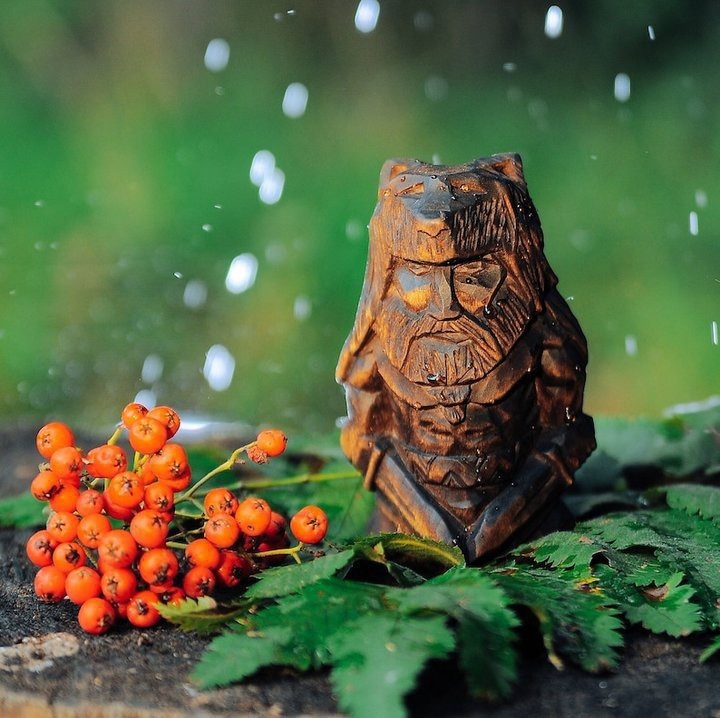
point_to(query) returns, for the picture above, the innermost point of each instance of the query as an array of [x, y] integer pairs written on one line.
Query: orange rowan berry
[[53, 436], [67, 463], [149, 528], [199, 581], [271, 441], [91, 528], [220, 501], [147, 435], [106, 461], [222, 530], [142, 611], [253, 516], [45, 485], [49, 584], [96, 616], [309, 525], [158, 566], [117, 548], [62, 526], [202, 552], [131, 413], [81, 584], [69, 555], [40, 547]]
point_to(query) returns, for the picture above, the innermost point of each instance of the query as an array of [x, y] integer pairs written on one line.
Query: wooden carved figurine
[[465, 369]]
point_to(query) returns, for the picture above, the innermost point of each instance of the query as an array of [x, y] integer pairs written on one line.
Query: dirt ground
[[49, 667]]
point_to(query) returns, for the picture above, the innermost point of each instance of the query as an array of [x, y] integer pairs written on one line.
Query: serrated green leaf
[[695, 499], [562, 548], [284, 580], [234, 656], [22, 511], [377, 659], [316, 613], [201, 615], [485, 625], [659, 607], [576, 619]]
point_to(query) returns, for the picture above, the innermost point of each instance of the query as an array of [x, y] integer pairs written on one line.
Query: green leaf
[[377, 659], [658, 607], [711, 650], [22, 511], [563, 549], [234, 656], [316, 613], [695, 499], [577, 621], [201, 615], [422, 555], [284, 580], [485, 625]]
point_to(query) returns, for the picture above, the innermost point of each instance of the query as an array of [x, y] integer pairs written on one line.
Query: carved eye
[[417, 188]]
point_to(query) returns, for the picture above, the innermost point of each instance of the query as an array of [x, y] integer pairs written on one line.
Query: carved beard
[[457, 351]]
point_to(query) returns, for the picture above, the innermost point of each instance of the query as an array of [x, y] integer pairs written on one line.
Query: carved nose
[[443, 305]]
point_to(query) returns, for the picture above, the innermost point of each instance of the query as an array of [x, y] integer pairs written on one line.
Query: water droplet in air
[[693, 223], [631, 347], [509, 66], [241, 274], [700, 198], [366, 15], [714, 333], [219, 367], [272, 187], [217, 55], [302, 308], [554, 22], [207, 228], [195, 294], [263, 165], [651, 32], [295, 100], [622, 87], [436, 88], [152, 369]]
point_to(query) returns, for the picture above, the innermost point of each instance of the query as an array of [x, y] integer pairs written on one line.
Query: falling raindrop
[[714, 333], [217, 55], [436, 88], [302, 308], [700, 198], [207, 228], [631, 347], [241, 274], [295, 100], [693, 223], [366, 15], [146, 397], [177, 275], [39, 203], [152, 369], [272, 187], [622, 87], [195, 294], [651, 32], [263, 164], [554, 22], [219, 367], [509, 66]]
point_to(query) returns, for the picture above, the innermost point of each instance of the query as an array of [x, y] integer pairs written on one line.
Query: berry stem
[[225, 466], [294, 551], [116, 435], [293, 480]]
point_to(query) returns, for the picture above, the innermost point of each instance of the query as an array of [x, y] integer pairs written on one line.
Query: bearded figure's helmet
[[440, 214]]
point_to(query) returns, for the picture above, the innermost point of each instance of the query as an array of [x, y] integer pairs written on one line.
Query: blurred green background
[[127, 137]]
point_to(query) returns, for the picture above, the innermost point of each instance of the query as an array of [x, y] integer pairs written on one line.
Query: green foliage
[[376, 632], [22, 511]]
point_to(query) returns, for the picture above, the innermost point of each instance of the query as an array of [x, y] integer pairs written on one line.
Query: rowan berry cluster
[[116, 545]]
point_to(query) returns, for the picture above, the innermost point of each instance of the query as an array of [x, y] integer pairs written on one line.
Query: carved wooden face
[[451, 309], [456, 271]]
